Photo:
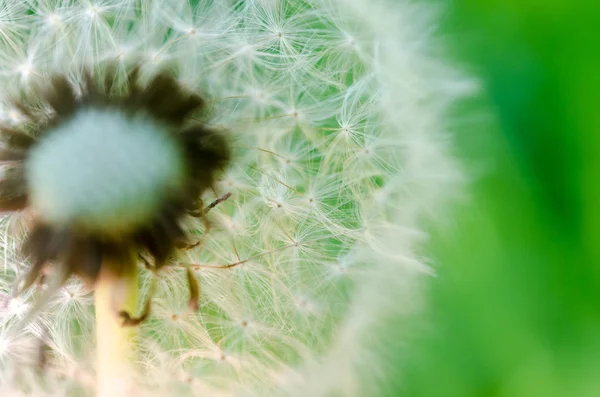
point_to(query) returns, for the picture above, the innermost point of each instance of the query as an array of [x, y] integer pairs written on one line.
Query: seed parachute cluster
[[337, 127]]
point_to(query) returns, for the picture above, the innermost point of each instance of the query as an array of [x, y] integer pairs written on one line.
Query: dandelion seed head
[[63, 170], [25, 70], [17, 307], [337, 114], [92, 12], [53, 20]]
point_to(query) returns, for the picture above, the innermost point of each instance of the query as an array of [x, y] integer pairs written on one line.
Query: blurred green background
[[515, 307]]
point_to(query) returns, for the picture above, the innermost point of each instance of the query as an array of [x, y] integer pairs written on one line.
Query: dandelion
[[335, 115]]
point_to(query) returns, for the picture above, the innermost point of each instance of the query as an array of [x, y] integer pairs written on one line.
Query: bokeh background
[[515, 305]]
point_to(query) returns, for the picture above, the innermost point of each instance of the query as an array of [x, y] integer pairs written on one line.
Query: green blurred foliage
[[515, 306]]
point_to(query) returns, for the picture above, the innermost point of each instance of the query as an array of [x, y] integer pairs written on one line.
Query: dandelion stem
[[115, 343]]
